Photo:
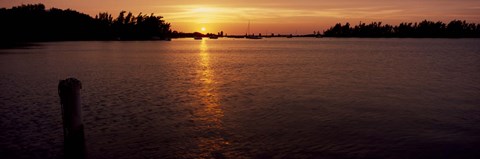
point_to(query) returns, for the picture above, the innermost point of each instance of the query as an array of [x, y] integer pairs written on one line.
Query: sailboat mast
[[248, 27]]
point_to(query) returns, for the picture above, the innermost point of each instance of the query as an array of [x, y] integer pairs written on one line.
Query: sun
[[203, 28]]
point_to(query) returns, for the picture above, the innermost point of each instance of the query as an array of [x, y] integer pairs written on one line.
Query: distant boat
[[159, 38], [251, 36], [266, 35], [290, 36], [213, 37], [197, 38]]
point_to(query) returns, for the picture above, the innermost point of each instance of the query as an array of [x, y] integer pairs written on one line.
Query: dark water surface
[[236, 98]]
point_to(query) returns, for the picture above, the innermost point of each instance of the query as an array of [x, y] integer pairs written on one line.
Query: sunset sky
[[277, 16]]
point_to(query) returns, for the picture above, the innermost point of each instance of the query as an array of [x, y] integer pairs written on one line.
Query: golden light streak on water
[[210, 115]]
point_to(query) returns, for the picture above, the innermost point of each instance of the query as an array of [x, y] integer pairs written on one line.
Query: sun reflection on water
[[209, 116]]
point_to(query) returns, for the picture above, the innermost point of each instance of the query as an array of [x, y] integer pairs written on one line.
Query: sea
[[326, 98]]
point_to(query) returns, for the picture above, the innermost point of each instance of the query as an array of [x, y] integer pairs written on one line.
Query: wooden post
[[74, 140]]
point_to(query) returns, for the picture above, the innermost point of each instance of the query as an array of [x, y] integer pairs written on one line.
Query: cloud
[[213, 14]]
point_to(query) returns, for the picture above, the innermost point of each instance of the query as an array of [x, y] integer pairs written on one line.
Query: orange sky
[[277, 16]]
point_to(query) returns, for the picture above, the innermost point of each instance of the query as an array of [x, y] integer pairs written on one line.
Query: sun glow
[[203, 29]]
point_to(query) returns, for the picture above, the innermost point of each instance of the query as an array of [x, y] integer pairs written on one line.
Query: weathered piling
[[74, 140]]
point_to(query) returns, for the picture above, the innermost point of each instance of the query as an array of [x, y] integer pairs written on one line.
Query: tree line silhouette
[[424, 29], [32, 22]]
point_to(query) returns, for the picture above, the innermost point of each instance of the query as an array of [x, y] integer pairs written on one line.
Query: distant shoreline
[[24, 24]]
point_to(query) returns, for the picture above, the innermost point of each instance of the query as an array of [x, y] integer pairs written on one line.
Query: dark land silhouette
[[33, 23], [424, 29]]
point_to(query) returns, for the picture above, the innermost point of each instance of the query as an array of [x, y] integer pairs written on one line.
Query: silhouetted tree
[[32, 22], [454, 29]]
